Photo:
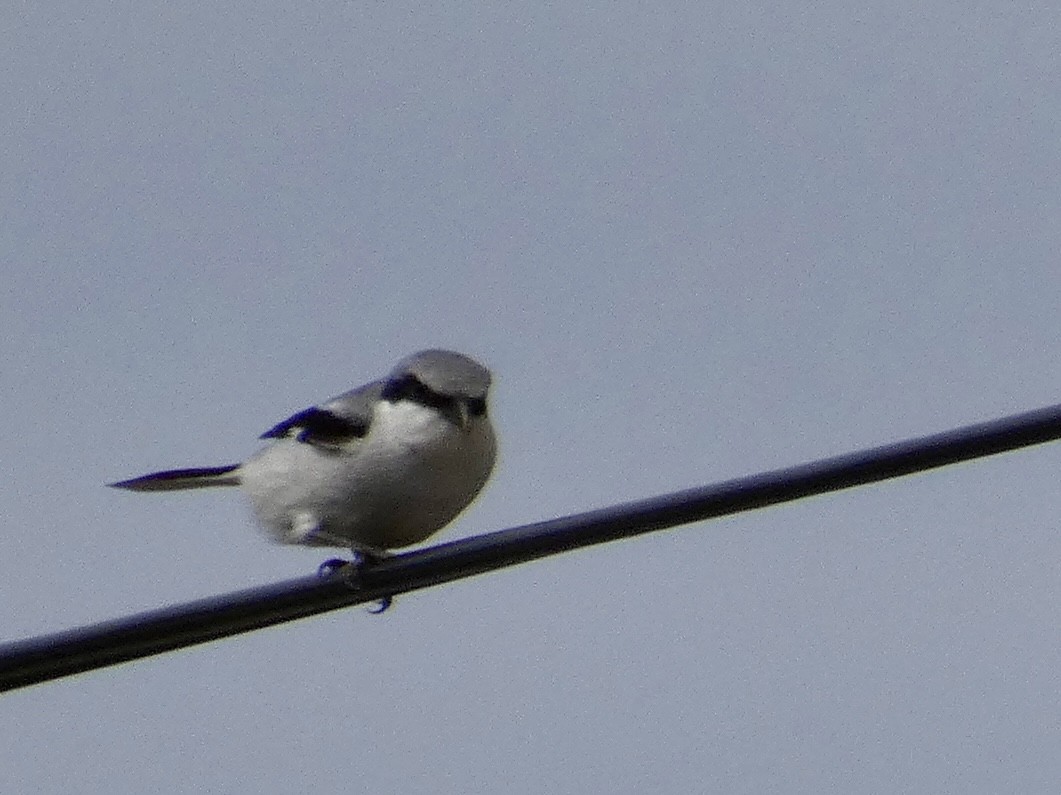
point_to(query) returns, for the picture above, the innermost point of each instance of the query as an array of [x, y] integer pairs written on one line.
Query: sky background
[[693, 241]]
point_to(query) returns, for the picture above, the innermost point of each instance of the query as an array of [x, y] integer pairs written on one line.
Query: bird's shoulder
[[342, 419]]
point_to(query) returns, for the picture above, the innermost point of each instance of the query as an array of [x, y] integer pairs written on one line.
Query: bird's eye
[[409, 387], [477, 407], [399, 388]]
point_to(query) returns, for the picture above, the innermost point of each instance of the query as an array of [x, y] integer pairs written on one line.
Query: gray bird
[[379, 467]]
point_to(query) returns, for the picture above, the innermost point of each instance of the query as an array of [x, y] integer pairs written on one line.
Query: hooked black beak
[[464, 415], [459, 414]]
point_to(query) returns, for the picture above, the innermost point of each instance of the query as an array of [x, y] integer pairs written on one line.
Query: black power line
[[52, 656]]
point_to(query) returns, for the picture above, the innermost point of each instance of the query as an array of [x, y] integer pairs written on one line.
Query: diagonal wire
[[49, 657]]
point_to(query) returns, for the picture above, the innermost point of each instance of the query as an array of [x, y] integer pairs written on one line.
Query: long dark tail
[[175, 479]]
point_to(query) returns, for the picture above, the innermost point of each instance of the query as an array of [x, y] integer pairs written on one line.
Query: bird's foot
[[367, 557], [331, 566], [382, 605], [351, 571]]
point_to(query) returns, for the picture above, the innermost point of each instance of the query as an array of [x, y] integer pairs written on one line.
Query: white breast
[[407, 478]]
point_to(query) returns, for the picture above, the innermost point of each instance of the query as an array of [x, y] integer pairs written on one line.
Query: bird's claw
[[331, 566], [381, 606], [351, 572]]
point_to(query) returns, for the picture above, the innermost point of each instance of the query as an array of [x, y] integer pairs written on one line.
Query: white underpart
[[406, 479]]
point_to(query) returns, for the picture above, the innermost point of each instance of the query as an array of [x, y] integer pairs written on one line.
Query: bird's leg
[[367, 557], [351, 572]]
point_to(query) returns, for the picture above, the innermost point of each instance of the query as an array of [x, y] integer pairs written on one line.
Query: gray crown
[[446, 372]]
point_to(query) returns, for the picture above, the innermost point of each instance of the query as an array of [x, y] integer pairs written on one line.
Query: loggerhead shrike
[[382, 466]]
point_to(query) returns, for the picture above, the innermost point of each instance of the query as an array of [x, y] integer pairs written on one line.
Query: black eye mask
[[409, 387]]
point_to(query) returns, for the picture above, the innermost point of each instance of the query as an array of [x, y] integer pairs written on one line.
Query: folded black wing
[[340, 420]]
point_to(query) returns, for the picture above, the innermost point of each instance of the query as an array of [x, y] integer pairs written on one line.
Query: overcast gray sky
[[693, 241]]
